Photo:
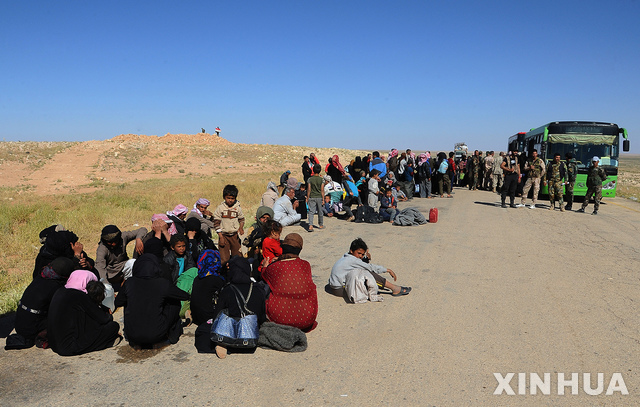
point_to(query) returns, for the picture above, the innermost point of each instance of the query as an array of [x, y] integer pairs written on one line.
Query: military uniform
[[596, 176], [535, 169], [572, 172], [498, 177], [488, 171], [555, 176], [475, 168]]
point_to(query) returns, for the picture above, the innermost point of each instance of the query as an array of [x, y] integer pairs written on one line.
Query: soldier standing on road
[[475, 167], [572, 171], [488, 170], [511, 171], [595, 177], [480, 170], [498, 177], [535, 168], [556, 174]]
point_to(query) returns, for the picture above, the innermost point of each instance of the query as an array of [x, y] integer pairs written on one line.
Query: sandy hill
[[52, 168]]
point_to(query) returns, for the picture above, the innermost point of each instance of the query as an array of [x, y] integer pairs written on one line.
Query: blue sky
[[353, 74]]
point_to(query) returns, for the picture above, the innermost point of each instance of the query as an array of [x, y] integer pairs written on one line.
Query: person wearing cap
[[111, 254], [595, 177], [556, 174]]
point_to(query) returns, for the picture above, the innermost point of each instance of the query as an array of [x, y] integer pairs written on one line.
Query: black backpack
[[367, 214]]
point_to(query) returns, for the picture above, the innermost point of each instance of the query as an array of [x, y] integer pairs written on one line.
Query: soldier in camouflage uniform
[[497, 173], [595, 177], [480, 169], [488, 170], [555, 177], [572, 172], [535, 168], [475, 167]]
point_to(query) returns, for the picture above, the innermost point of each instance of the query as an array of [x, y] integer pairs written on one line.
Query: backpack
[[366, 214]]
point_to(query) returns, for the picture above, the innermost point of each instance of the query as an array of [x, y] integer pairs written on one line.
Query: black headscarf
[[192, 225], [58, 244], [154, 246], [110, 234], [239, 270], [58, 269], [147, 266]]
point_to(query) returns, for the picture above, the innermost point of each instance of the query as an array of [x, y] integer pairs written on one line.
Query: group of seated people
[[178, 275], [371, 181]]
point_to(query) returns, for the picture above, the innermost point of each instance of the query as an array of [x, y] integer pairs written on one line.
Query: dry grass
[[32, 153], [23, 216], [629, 177]]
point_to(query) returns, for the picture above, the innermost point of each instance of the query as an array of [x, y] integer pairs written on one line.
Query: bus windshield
[[583, 153]]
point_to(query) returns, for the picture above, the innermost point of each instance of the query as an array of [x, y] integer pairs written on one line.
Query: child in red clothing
[[271, 244]]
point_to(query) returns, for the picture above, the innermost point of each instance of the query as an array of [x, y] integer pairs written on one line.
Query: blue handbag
[[233, 332]]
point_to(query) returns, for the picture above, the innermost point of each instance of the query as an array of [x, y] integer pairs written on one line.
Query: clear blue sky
[[354, 74]]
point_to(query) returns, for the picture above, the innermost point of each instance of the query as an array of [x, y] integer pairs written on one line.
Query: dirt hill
[[51, 168]]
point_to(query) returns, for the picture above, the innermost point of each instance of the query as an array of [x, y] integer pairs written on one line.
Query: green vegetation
[[23, 216]]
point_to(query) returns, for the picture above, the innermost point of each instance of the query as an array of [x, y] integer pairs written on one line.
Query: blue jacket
[[378, 164]]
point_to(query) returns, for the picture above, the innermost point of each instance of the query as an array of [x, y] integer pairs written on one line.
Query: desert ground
[[494, 291]]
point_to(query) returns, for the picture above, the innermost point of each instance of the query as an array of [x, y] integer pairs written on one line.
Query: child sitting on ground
[[228, 221], [271, 244], [398, 194], [177, 258], [388, 206], [327, 207], [358, 258], [183, 269]]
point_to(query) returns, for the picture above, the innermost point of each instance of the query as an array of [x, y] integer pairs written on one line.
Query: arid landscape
[[494, 290]]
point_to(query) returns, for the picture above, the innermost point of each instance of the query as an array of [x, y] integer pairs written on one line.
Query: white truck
[[459, 149]]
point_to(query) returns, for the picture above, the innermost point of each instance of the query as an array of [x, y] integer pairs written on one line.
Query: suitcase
[[433, 215]]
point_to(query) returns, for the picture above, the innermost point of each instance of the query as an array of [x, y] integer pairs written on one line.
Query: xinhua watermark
[[532, 383]]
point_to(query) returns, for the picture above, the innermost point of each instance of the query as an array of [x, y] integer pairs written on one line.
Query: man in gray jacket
[[112, 252], [358, 258]]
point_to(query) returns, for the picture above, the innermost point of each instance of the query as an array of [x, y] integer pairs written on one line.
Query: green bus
[[582, 139]]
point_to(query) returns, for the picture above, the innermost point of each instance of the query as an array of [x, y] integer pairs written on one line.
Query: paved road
[[494, 291]]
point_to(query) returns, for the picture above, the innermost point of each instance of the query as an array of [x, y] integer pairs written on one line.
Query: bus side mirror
[[625, 145]]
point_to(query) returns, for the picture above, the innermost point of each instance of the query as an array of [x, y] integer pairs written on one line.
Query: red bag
[[433, 215]]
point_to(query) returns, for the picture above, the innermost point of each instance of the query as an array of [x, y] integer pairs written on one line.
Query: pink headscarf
[[201, 201], [78, 280], [165, 218], [336, 163], [393, 153], [422, 158], [178, 210]]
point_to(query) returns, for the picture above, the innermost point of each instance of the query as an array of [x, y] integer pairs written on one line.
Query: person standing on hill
[[595, 177]]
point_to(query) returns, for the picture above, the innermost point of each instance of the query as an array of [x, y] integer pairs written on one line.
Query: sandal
[[403, 291]]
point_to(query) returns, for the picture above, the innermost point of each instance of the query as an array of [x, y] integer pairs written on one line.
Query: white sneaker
[[520, 205], [532, 207]]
